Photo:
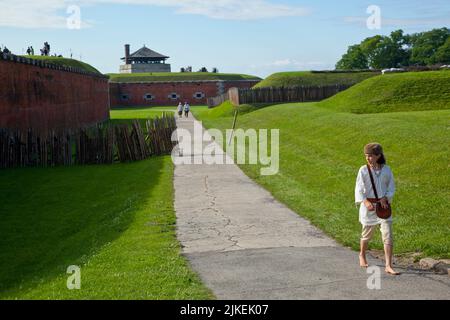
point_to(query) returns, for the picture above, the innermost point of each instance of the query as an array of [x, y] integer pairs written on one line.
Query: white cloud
[[284, 62], [401, 22], [51, 13]]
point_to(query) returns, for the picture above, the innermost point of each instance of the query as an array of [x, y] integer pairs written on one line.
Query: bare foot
[[362, 261], [389, 270]]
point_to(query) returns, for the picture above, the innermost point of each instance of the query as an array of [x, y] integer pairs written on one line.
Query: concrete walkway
[[246, 245]]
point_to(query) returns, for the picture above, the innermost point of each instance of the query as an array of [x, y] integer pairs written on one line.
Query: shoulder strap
[[373, 183]]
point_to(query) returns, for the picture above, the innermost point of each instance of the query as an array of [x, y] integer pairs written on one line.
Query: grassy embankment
[[61, 61], [308, 78]]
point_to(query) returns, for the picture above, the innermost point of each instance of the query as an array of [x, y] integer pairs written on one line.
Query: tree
[[426, 44], [353, 59], [368, 47], [442, 54], [389, 52], [397, 50], [215, 70]]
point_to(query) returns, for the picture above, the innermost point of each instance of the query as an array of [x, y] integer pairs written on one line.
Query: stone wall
[[42, 96], [145, 67]]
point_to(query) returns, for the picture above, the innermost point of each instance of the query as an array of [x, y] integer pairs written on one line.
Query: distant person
[[32, 50], [365, 195], [180, 110], [187, 108], [29, 51]]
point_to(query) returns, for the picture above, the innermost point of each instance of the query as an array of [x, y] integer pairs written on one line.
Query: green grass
[[307, 78], [321, 152], [66, 62], [126, 115], [412, 91], [227, 109], [177, 76], [116, 222]]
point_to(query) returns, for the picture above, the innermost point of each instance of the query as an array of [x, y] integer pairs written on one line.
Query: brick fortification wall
[[157, 93], [42, 96]]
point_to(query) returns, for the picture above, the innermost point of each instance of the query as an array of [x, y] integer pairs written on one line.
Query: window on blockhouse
[[125, 97], [199, 95], [149, 96], [174, 96]]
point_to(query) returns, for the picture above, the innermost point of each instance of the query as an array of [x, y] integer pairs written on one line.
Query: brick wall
[[37, 95], [157, 93]]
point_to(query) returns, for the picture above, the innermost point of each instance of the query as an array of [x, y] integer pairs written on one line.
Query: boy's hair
[[382, 159], [377, 149]]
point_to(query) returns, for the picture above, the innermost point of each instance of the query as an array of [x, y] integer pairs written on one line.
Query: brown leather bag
[[380, 211]]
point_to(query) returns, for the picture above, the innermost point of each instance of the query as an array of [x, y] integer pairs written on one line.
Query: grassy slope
[[178, 76], [116, 222], [307, 78], [395, 92], [66, 62], [227, 109], [321, 151]]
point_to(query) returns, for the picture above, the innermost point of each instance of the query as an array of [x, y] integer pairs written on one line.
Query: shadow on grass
[[51, 218]]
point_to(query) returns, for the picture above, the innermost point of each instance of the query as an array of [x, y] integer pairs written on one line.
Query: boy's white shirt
[[385, 185]]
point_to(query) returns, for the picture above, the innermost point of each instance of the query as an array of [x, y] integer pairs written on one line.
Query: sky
[[257, 37]]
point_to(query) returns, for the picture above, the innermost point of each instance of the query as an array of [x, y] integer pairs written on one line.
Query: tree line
[[398, 50]]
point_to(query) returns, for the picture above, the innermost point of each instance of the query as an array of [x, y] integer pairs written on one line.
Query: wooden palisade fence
[[102, 144], [215, 101], [289, 94], [280, 95]]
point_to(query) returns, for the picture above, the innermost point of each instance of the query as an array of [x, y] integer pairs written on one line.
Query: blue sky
[[256, 37]]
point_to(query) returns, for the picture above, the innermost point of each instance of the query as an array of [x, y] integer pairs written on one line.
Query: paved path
[[246, 245]]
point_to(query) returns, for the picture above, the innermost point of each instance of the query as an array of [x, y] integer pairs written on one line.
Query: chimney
[[127, 54]]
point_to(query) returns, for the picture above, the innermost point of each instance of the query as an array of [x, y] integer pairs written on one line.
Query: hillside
[[66, 62], [308, 78], [177, 76], [412, 91]]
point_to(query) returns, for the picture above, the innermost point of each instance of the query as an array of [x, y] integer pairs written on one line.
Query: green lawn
[[177, 76], [116, 222], [308, 78], [321, 152]]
